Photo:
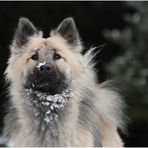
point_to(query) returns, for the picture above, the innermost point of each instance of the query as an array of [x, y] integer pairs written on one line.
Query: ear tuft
[[24, 30], [67, 29]]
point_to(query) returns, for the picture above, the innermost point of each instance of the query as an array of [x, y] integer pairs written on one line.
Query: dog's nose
[[45, 69]]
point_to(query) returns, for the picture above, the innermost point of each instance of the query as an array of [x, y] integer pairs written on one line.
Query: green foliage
[[131, 67]]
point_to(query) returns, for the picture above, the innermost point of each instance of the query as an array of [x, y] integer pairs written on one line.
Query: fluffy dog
[[55, 97]]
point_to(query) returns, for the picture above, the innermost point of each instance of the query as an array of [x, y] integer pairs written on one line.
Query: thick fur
[[95, 111]]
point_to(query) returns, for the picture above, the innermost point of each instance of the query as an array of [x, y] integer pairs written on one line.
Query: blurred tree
[[131, 67]]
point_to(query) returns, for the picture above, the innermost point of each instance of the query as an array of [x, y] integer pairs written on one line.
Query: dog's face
[[49, 68], [48, 65]]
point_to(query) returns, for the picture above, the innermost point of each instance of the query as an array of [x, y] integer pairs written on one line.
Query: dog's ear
[[24, 30], [67, 29]]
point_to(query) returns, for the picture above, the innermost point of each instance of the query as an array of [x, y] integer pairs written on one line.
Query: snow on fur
[[48, 103]]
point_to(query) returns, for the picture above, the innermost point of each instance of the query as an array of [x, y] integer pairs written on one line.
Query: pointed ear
[[67, 29], [24, 30]]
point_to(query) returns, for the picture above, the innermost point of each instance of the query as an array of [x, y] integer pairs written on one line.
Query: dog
[[55, 99]]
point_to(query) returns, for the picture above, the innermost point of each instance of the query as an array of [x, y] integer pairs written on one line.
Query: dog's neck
[[45, 108]]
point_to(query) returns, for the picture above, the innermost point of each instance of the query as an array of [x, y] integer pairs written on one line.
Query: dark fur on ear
[[24, 30], [67, 29]]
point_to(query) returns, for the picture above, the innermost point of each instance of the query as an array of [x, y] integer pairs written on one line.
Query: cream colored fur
[[80, 69]]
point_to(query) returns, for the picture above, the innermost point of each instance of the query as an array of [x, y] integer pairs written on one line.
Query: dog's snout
[[45, 69]]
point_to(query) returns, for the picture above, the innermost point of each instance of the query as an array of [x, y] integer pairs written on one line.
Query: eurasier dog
[[55, 99]]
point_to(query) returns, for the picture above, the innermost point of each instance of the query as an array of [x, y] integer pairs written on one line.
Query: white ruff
[[49, 104]]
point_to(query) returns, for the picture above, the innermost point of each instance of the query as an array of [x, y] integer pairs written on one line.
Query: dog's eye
[[35, 57], [57, 56]]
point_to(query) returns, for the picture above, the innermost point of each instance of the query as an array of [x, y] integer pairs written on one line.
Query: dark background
[[91, 18]]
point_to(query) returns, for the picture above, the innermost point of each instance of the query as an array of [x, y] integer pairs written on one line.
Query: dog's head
[[48, 65]]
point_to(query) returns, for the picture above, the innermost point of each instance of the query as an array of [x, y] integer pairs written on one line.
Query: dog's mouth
[[48, 86], [50, 83]]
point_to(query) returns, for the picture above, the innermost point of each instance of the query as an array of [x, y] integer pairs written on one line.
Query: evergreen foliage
[[131, 67]]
